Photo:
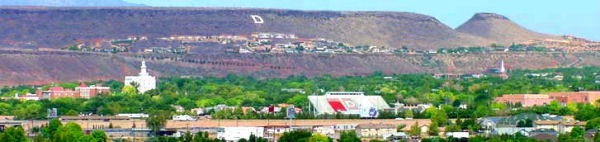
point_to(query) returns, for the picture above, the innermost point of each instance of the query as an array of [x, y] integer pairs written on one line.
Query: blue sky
[[559, 17]]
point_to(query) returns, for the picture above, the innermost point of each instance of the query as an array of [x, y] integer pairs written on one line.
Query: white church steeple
[[502, 69], [143, 71]]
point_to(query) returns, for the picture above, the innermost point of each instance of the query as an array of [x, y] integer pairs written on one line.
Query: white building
[[328, 131], [458, 135], [144, 81], [183, 118], [344, 127], [348, 103], [27, 96], [237, 133], [134, 115]]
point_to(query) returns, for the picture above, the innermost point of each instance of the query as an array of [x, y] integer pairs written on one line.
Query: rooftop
[[376, 126]]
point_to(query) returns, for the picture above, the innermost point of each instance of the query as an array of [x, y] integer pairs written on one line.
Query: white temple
[[144, 81]]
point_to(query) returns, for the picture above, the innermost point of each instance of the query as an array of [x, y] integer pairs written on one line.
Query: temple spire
[[143, 71]]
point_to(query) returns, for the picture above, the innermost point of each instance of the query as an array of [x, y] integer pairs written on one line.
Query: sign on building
[[52, 113], [291, 112]]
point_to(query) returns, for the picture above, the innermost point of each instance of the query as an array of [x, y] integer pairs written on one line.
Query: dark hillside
[[58, 27]]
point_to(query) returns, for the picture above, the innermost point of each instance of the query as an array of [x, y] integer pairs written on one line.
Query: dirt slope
[[500, 29]]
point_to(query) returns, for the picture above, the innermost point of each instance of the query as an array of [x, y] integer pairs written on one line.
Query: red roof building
[[83, 91], [576, 97], [526, 100]]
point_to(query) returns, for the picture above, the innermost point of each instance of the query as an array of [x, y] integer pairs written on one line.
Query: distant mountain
[[58, 27], [67, 3], [498, 28]]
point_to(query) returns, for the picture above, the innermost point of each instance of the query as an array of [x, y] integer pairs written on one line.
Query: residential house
[[198, 111], [375, 130], [544, 134], [396, 137], [234, 134], [345, 127], [507, 125], [567, 126], [7, 117], [548, 124], [273, 132], [328, 130], [458, 135], [178, 108]]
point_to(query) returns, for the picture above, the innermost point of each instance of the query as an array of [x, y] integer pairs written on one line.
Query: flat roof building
[[526, 100]]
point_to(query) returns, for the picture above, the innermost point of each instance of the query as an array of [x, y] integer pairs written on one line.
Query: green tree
[[415, 130], [201, 137], [88, 138], [254, 138], [585, 113], [187, 137], [433, 129], [349, 136], [596, 137], [99, 136], [130, 89], [295, 136], [298, 100], [577, 133], [554, 107], [318, 138], [525, 123], [28, 110], [53, 125], [593, 124], [5, 108], [408, 113], [453, 128], [400, 127], [440, 117], [563, 138], [70, 132], [13, 134], [157, 120], [38, 138]]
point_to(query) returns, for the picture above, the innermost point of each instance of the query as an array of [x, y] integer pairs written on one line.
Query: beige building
[[375, 130], [559, 126]]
